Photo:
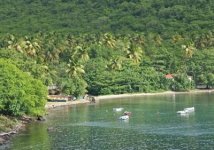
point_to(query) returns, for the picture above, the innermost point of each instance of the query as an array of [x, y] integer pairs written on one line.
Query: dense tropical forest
[[164, 17], [102, 47]]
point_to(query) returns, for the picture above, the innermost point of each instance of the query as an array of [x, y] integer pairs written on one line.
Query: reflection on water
[[154, 124]]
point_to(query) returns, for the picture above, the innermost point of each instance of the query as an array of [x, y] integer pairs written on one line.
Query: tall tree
[[134, 52]]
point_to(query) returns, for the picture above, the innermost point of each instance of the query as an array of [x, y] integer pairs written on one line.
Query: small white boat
[[190, 109], [117, 109], [186, 110], [181, 112], [125, 117], [185, 115]]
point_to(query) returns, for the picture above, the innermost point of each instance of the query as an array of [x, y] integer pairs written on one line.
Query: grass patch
[[7, 123]]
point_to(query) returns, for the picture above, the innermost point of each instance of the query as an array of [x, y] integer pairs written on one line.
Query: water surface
[[154, 125]]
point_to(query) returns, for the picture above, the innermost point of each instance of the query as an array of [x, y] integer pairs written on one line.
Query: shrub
[[182, 83], [19, 92]]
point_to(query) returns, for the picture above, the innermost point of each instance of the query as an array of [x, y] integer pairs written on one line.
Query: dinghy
[[181, 112], [186, 110], [125, 117], [190, 109], [117, 109]]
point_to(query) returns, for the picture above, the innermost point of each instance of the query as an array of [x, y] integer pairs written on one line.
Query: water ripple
[[185, 130]]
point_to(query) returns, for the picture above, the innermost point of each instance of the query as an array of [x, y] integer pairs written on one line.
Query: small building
[[53, 90]]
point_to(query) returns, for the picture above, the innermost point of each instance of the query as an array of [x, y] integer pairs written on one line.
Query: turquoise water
[[153, 125]]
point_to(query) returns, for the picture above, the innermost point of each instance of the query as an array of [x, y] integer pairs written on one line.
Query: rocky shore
[[21, 122], [5, 136]]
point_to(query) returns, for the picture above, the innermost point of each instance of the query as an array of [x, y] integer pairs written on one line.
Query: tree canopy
[[116, 16], [19, 92]]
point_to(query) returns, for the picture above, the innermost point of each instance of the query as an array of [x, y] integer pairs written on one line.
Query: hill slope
[[119, 16]]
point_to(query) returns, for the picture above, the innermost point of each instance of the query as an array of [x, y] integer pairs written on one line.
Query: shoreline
[[50, 105], [102, 97], [20, 125], [5, 136]]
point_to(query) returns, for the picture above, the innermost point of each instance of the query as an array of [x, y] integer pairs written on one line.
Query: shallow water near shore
[[154, 124]]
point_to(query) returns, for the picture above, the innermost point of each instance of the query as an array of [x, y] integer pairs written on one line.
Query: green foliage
[[112, 63], [102, 47], [19, 92], [210, 79], [95, 75], [167, 84], [130, 79], [80, 87], [94, 16], [74, 86], [182, 83]]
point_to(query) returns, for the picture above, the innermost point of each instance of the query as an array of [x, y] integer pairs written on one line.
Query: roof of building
[[169, 76]]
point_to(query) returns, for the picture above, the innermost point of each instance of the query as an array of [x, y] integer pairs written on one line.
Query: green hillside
[[102, 47], [117, 16]]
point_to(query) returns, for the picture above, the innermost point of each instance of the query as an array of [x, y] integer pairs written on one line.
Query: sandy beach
[[148, 94], [50, 105]]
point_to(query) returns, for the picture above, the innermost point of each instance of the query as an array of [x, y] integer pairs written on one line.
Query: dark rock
[[41, 118], [92, 99], [2, 141]]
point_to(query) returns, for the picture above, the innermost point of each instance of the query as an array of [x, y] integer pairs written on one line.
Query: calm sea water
[[154, 125]]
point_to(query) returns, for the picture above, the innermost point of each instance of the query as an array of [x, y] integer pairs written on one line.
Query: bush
[[19, 92], [182, 83]]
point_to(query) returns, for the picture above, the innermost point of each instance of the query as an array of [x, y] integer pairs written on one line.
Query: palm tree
[[11, 43], [74, 69], [108, 40], [177, 38], [82, 53], [158, 40], [115, 64], [134, 52], [53, 47], [205, 40], [189, 50], [139, 39], [28, 45]]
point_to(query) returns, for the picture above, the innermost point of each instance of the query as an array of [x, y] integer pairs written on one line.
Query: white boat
[[181, 112], [117, 109], [190, 109], [186, 110], [125, 117]]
